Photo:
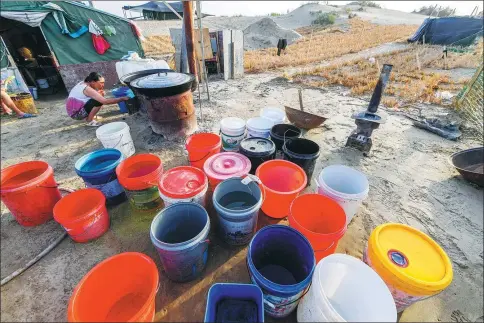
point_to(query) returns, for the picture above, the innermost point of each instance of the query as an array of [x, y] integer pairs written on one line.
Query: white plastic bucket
[[276, 115], [116, 135], [197, 198], [345, 185], [237, 225], [232, 131], [42, 83], [345, 289], [259, 127]]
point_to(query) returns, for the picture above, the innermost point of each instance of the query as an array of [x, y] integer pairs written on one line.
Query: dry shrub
[[407, 83], [158, 45], [323, 45]]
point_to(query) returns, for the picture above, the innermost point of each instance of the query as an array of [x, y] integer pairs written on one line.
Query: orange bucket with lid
[[121, 288], [321, 220], [282, 181], [139, 176], [83, 214], [201, 146], [29, 191], [412, 265], [183, 184]]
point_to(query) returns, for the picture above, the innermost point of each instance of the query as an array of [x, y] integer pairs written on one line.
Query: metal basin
[[470, 164]]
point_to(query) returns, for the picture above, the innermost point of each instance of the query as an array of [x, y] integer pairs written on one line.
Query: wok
[[470, 164]]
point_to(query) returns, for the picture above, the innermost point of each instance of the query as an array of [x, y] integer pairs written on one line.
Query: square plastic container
[[234, 303]]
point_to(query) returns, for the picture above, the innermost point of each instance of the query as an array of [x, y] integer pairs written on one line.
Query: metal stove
[[369, 120]]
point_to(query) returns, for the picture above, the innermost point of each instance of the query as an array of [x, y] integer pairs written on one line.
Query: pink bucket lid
[[225, 165]]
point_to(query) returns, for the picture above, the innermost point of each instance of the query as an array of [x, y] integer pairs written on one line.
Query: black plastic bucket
[[282, 132], [258, 150], [302, 152]]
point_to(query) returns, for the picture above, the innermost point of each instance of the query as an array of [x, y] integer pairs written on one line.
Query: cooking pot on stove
[[163, 84], [130, 77]]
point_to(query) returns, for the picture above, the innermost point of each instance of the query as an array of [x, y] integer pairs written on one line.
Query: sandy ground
[[411, 181]]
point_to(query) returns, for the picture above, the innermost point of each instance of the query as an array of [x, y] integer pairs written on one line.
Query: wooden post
[[200, 29], [189, 38]]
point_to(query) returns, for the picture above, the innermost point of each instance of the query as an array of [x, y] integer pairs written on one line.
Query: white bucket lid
[[260, 123], [232, 123], [273, 113]]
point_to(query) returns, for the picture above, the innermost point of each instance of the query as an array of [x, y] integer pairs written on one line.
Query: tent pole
[[204, 71]]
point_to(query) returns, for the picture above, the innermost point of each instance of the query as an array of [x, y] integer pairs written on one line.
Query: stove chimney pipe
[[380, 87]]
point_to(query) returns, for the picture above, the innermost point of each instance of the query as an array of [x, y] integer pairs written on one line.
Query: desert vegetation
[[321, 44]]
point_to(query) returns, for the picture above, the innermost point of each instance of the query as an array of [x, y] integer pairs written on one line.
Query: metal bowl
[[470, 164]]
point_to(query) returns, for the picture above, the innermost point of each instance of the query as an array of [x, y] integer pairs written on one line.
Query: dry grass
[[158, 46], [326, 44], [407, 85]]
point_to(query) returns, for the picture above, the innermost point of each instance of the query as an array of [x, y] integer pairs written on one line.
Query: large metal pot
[[168, 100]]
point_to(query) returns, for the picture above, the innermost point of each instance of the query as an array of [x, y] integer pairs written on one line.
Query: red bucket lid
[[182, 182], [225, 165]]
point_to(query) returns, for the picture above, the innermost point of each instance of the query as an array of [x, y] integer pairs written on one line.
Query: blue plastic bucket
[[237, 205], [281, 262], [98, 170], [234, 303], [179, 234], [120, 92]]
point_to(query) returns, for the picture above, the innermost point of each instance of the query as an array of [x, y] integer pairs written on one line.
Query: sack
[[100, 44]]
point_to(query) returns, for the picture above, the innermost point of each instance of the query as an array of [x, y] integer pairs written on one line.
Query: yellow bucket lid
[[409, 259]]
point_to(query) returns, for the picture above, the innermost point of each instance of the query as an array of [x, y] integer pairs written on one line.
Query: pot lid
[[182, 182], [225, 165], [257, 147], [162, 80], [410, 258]]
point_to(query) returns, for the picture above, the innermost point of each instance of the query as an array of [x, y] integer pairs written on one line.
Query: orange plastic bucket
[[321, 220], [282, 182], [139, 175], [83, 214], [121, 288], [29, 191], [200, 146]]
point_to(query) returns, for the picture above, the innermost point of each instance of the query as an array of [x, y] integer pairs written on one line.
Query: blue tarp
[[456, 31], [157, 6]]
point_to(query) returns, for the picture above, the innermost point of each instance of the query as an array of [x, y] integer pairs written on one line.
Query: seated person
[[87, 98], [8, 106]]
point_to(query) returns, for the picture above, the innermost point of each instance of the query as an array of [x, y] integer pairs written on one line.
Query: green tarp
[[80, 50]]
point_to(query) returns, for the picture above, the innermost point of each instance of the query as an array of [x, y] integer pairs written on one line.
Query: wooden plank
[[207, 47]]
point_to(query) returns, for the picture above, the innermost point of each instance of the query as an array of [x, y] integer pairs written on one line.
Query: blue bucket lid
[[98, 162]]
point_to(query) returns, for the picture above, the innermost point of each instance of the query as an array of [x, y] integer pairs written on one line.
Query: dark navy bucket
[[281, 262], [234, 303], [179, 234], [98, 170]]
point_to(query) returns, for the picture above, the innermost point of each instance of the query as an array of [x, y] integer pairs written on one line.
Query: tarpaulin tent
[[456, 31], [69, 50]]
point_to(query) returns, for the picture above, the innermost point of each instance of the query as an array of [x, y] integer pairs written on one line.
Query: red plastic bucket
[[282, 182], [201, 146], [83, 214], [139, 176], [321, 220], [29, 191], [222, 166], [121, 288], [183, 184]]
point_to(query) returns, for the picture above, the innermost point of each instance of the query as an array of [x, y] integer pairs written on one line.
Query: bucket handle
[[194, 161], [274, 306], [32, 188], [252, 178], [332, 244]]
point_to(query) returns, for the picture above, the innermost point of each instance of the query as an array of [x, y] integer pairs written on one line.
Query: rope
[[39, 256]]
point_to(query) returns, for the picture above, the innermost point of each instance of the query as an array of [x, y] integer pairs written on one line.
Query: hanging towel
[[110, 30], [66, 22], [100, 44]]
